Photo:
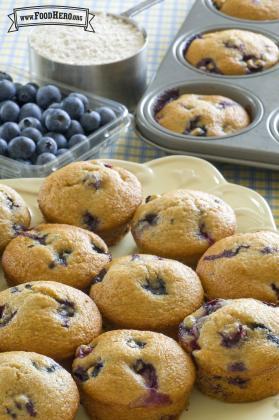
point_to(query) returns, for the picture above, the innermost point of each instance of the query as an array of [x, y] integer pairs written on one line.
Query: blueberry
[[227, 253], [135, 344], [26, 93], [7, 90], [75, 128], [55, 105], [78, 139], [46, 145], [9, 130], [6, 315], [45, 113], [35, 85], [90, 121], [5, 76], [82, 97], [3, 147], [204, 234], [30, 122], [9, 111], [91, 222], [45, 158], [151, 219], [57, 120], [233, 339], [48, 94], [30, 110], [61, 152], [156, 286], [18, 86], [21, 147], [99, 278], [66, 310], [107, 115], [84, 350], [73, 106], [213, 306], [32, 133], [148, 373], [59, 139]]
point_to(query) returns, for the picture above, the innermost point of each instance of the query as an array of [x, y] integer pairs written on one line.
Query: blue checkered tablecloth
[[162, 22]]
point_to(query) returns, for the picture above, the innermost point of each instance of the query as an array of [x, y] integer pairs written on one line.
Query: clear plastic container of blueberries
[[256, 145], [101, 139]]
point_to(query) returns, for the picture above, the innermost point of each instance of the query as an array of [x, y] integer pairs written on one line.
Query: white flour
[[113, 40]]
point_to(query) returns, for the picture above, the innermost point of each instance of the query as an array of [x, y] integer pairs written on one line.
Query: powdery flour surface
[[114, 39]]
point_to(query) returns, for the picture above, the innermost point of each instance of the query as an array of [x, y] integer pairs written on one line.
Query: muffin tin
[[98, 141], [256, 145]]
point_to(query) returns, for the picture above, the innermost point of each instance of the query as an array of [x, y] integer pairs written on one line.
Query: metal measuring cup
[[123, 80]]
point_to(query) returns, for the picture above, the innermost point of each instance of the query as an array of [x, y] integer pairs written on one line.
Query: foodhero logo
[[51, 15]]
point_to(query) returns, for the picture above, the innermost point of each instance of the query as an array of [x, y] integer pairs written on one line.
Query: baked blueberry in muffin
[[35, 386], [182, 224], [235, 346], [133, 375], [62, 253], [242, 265], [147, 292], [14, 215], [232, 52], [93, 195], [48, 318], [201, 115], [249, 9]]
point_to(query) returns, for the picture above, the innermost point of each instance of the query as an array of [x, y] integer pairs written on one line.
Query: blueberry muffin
[[146, 292], [243, 265], [33, 385], [48, 318], [202, 115], [14, 215], [133, 375], [62, 253], [182, 224], [232, 52], [93, 195], [235, 346], [249, 9]]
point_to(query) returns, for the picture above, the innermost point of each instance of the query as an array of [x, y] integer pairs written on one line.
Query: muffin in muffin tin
[[34, 386], [235, 346], [62, 253], [93, 195], [249, 9], [182, 224], [48, 318], [14, 215], [146, 292], [133, 375], [231, 52], [202, 115], [242, 266]]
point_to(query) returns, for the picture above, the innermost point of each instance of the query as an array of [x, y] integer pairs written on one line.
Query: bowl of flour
[[109, 62]]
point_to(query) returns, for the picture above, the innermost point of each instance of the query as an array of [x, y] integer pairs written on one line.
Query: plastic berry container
[[100, 140]]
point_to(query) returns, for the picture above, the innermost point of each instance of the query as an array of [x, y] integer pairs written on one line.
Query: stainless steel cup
[[124, 81]]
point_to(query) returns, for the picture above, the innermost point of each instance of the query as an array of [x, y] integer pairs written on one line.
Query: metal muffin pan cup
[[245, 98], [211, 6], [256, 145], [273, 124], [183, 42]]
